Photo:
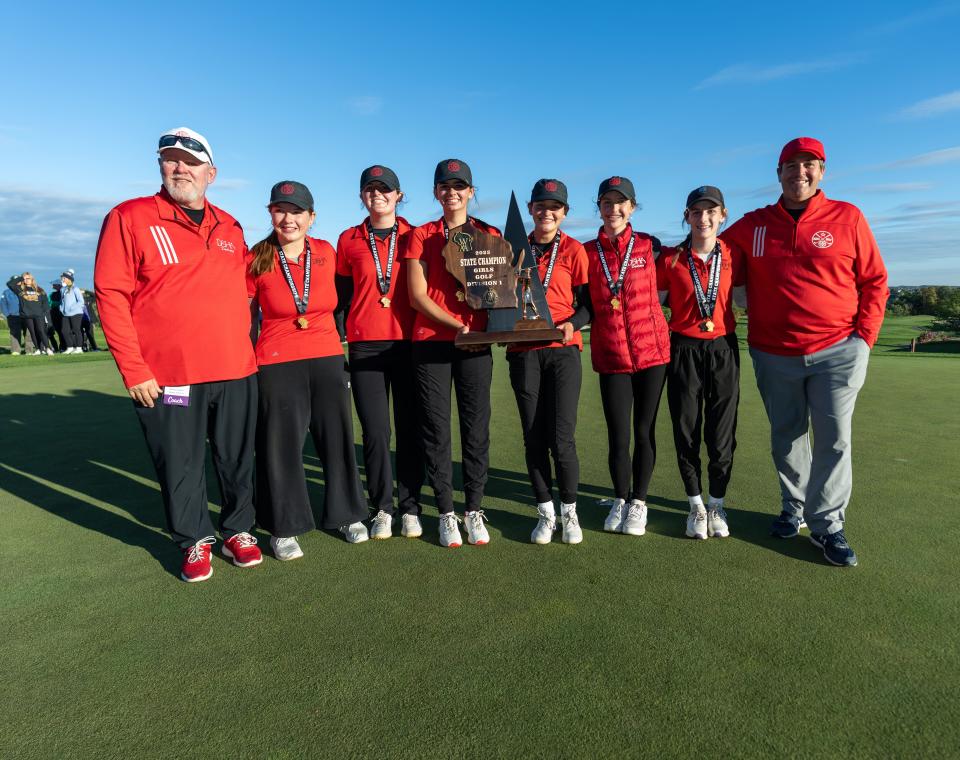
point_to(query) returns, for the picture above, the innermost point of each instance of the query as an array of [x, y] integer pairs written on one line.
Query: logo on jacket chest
[[638, 263], [226, 245], [822, 239]]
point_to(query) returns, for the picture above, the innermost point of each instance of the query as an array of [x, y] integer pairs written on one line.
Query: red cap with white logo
[[802, 145]]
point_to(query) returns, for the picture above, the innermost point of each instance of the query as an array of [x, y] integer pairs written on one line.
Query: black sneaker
[[836, 550], [786, 526]]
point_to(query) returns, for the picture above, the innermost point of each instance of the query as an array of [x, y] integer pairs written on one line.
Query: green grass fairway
[[658, 646]]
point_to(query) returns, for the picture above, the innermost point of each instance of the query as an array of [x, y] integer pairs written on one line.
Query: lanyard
[[615, 286], [300, 302], [446, 227], [553, 258], [706, 301], [383, 282]]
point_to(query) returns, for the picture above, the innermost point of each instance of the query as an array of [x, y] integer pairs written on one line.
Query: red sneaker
[[196, 561], [242, 549]]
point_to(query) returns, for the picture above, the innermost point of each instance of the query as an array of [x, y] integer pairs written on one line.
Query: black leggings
[[72, 337], [637, 395], [378, 370], [546, 383], [37, 328]]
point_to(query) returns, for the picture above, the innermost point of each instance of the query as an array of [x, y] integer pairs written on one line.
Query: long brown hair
[[264, 255]]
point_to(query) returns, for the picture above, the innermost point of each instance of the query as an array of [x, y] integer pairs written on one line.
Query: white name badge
[[176, 395]]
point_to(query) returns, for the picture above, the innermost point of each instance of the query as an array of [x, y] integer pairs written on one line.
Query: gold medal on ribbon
[[461, 296], [615, 303], [707, 325], [385, 302], [302, 323]]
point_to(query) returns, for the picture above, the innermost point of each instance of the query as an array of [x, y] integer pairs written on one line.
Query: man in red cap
[[816, 293], [171, 290]]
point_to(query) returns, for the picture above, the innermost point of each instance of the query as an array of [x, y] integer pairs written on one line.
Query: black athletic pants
[[378, 370], [86, 328], [636, 395], [546, 382], [37, 328], [438, 365], [703, 390], [226, 413], [296, 397], [72, 337]]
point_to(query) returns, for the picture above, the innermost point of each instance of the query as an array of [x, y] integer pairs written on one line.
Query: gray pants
[[816, 391], [19, 338]]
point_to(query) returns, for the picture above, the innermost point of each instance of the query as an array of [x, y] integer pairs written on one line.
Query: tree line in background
[[939, 301]]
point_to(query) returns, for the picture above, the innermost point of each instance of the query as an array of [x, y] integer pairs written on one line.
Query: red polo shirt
[[569, 271], [369, 319], [171, 293], [673, 275], [426, 245], [280, 339]]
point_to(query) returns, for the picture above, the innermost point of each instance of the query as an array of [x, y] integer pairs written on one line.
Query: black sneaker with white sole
[[836, 550], [787, 525]]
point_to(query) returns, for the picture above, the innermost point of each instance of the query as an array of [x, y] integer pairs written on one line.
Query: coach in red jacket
[[172, 296], [816, 293]]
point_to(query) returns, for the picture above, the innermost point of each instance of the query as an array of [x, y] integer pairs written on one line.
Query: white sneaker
[[449, 532], [717, 523], [355, 533], [546, 525], [571, 526], [476, 530], [36, 353], [285, 548], [49, 351], [635, 520], [410, 526], [697, 523], [615, 518], [382, 525]]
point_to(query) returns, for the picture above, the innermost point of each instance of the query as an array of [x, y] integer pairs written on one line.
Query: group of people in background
[[47, 323], [807, 267]]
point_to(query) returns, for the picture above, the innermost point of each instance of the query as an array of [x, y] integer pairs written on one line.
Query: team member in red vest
[[372, 272], [546, 377], [629, 347], [156, 255], [816, 290], [442, 314], [303, 379], [696, 281]]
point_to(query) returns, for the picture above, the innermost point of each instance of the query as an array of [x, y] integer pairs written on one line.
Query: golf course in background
[[659, 646]]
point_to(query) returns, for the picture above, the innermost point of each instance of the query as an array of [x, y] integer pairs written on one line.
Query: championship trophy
[[500, 275]]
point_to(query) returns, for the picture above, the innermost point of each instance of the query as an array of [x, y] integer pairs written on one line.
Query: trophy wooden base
[[524, 331]]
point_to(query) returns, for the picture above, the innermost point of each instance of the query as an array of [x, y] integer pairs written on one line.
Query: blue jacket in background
[[71, 301], [10, 303]]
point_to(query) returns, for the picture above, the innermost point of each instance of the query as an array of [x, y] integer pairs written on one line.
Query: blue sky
[[673, 97]]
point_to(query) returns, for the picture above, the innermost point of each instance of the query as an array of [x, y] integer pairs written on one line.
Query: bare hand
[[145, 393], [567, 329]]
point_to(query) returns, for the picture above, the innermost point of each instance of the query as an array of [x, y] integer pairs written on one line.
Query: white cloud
[[896, 187], [932, 106], [933, 158], [917, 18], [752, 73], [365, 105]]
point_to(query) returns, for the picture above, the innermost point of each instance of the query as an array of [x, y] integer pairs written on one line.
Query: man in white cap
[[170, 284]]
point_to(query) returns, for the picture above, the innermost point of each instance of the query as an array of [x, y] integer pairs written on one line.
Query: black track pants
[[636, 396], [703, 390], [546, 383], [439, 364], [226, 413], [379, 370], [310, 395]]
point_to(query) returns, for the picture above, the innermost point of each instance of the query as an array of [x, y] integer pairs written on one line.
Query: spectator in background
[[55, 328], [35, 313], [86, 324], [71, 307], [10, 307]]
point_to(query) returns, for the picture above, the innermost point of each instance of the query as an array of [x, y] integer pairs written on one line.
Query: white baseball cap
[[185, 139]]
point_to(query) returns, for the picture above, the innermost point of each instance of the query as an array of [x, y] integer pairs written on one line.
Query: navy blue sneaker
[[787, 525], [836, 550]]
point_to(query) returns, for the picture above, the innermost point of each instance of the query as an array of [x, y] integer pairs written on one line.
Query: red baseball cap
[[802, 145]]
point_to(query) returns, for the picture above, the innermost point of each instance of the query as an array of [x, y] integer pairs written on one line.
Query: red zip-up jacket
[[810, 283], [634, 336], [172, 295]]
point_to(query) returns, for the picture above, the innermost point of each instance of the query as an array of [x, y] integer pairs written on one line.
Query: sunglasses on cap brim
[[170, 141]]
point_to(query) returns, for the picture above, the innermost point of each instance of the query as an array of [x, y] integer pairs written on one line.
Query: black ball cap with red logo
[[382, 174], [296, 193], [549, 190], [621, 184], [450, 169], [706, 193]]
